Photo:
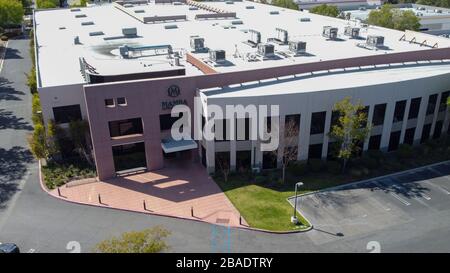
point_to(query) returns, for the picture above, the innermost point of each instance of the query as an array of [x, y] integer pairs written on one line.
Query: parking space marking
[[429, 183], [393, 194]]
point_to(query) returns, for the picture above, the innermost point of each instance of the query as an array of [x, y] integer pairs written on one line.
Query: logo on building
[[173, 91]]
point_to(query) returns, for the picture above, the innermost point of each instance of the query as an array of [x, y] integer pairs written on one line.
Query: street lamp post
[[294, 218]]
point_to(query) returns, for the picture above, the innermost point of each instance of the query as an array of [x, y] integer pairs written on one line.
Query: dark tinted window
[[378, 114], [291, 125], [269, 160], [443, 101], [399, 112], [65, 114], [245, 124], [222, 161], [220, 130], [365, 111], [437, 129], [374, 142], [166, 121], [414, 108], [432, 99], [409, 136], [425, 133], [318, 122], [243, 160], [129, 156], [125, 127], [394, 141], [315, 151]]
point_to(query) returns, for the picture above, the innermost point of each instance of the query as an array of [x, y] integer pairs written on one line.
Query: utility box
[[132, 31], [375, 41], [352, 32], [330, 32], [217, 55], [297, 47], [266, 50], [197, 43]]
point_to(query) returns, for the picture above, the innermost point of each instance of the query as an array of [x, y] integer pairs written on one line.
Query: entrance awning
[[171, 145]]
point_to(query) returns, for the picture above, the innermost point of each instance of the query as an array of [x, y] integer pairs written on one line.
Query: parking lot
[[376, 204]]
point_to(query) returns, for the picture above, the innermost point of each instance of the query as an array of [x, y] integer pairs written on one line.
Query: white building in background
[[341, 4]]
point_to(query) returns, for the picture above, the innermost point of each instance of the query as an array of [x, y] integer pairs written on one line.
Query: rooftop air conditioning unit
[[217, 56], [266, 50], [352, 32], [297, 47], [197, 43], [375, 41], [305, 19], [132, 31], [330, 32]]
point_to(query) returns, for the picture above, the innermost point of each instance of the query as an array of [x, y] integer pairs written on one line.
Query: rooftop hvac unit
[[255, 38], [250, 7], [266, 50], [124, 51], [297, 47], [305, 19], [80, 16], [375, 41], [274, 12], [352, 32], [197, 43], [330, 32], [76, 40], [131, 31], [87, 23], [217, 56]]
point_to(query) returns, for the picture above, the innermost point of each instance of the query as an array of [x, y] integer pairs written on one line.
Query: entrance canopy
[[170, 145]]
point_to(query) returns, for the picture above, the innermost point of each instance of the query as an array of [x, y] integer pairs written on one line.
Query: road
[[40, 223]]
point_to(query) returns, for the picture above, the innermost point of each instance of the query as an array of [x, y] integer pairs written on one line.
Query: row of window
[[120, 101]]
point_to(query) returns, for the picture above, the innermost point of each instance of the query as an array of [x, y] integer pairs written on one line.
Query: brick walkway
[[170, 191]]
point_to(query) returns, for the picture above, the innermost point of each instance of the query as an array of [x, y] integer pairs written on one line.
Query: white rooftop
[[58, 56], [334, 80]]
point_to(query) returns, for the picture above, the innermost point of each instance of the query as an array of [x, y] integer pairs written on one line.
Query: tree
[[290, 146], [79, 129], [11, 12], [289, 4], [47, 4], [222, 162], [350, 129], [37, 142], [145, 241], [326, 10], [395, 19]]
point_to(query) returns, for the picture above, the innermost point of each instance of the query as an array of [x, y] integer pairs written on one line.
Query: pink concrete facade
[[144, 98]]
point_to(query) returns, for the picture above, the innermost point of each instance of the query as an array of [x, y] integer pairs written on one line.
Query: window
[[425, 133], [269, 160], [125, 127], [122, 101], [333, 149], [243, 160], [443, 101], [291, 125], [365, 111], [166, 121], [66, 114], [394, 141], [129, 156], [243, 124], [399, 111], [318, 122], [437, 129], [315, 151], [374, 142], [378, 114], [414, 108], [220, 130], [222, 161], [409, 136], [334, 119], [432, 99], [109, 103]]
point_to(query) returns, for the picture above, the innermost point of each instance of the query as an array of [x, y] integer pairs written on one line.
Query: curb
[[46, 190], [373, 178]]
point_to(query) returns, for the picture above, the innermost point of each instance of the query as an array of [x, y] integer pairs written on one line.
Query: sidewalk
[[170, 191]]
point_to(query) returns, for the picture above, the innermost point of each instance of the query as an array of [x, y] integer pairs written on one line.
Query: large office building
[[123, 66]]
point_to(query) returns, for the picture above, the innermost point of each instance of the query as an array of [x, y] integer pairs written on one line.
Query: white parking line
[[429, 183], [396, 196]]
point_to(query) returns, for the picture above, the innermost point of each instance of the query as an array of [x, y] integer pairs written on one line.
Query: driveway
[[378, 204]]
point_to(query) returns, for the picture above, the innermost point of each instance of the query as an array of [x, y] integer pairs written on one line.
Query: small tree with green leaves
[[79, 130], [289, 4], [394, 18], [351, 128], [11, 12], [326, 10], [37, 142], [146, 241]]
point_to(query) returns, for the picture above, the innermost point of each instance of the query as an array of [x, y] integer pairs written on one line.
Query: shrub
[[376, 154], [404, 151], [298, 168], [316, 164], [369, 162], [356, 172], [333, 167], [259, 179]]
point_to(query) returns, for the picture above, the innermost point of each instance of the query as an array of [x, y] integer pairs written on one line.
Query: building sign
[[173, 91], [167, 105]]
